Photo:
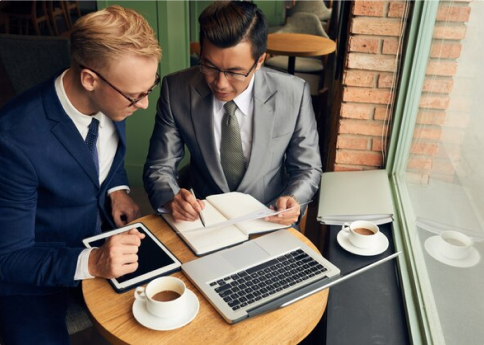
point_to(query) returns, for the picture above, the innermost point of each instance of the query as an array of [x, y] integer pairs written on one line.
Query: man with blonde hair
[[62, 148]]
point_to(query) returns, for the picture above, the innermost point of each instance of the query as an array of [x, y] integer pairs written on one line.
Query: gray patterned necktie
[[231, 155]]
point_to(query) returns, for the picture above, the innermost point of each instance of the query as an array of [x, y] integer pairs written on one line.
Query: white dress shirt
[[107, 145]]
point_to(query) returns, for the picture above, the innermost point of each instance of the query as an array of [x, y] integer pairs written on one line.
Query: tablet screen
[[154, 259]]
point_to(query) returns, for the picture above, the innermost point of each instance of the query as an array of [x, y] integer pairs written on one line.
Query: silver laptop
[[264, 274]]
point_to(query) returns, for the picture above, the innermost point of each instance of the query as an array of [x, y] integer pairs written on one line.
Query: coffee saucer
[[145, 318], [380, 247], [432, 247]]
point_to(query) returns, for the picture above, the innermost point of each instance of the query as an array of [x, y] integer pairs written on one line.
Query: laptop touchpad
[[245, 255]]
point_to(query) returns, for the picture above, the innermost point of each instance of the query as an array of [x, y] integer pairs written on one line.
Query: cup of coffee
[[164, 297], [362, 234], [454, 244]]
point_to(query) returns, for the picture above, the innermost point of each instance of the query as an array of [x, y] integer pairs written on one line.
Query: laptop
[[264, 274]]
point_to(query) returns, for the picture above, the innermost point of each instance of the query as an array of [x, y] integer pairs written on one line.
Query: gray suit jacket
[[285, 157]]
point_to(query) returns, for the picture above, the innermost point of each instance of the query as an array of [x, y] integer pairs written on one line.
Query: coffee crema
[[165, 296], [363, 231]]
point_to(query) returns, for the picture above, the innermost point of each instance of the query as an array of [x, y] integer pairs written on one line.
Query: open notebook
[[219, 233]]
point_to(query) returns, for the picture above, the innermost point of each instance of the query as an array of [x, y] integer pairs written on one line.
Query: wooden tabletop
[[291, 44], [112, 312]]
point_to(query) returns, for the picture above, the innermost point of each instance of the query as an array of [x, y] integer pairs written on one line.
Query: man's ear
[[88, 80], [261, 60]]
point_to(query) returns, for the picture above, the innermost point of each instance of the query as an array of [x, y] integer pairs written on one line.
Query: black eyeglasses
[[132, 101], [209, 70]]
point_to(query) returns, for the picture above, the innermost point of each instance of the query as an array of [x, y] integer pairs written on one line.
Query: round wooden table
[[113, 317], [302, 45]]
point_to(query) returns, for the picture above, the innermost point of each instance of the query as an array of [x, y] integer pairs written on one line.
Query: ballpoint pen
[[200, 214]]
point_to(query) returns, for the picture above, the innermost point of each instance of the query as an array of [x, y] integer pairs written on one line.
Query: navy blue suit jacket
[[49, 193]]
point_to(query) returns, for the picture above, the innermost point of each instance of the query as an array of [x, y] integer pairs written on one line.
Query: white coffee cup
[[164, 297], [454, 245], [362, 233]]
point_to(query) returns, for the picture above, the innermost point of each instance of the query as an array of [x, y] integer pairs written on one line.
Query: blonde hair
[[102, 36]]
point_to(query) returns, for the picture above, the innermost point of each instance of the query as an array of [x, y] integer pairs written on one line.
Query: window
[[437, 165]]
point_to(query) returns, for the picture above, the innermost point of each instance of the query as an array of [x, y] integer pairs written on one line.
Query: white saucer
[[144, 317], [432, 247], [344, 242]]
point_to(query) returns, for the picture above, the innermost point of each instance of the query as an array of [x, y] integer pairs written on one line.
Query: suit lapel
[[264, 107], [67, 133], [201, 103]]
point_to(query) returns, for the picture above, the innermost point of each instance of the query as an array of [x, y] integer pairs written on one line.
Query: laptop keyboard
[[261, 281]]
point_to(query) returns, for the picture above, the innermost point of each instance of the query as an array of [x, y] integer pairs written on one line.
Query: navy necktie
[[91, 140]]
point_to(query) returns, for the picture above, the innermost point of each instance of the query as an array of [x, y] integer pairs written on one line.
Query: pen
[[200, 213]]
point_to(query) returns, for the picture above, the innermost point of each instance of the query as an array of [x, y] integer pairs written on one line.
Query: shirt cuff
[[82, 268], [119, 188]]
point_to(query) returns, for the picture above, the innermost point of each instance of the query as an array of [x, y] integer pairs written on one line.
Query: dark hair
[[226, 23]]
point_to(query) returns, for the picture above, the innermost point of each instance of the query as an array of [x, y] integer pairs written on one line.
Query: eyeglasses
[[132, 101], [209, 70]]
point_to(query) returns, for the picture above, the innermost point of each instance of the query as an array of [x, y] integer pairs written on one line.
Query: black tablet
[[154, 259]]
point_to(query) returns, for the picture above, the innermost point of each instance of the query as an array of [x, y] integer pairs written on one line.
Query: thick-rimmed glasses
[[132, 101], [209, 70]]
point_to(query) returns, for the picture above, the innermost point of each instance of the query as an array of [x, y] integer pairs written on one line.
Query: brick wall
[[369, 79]]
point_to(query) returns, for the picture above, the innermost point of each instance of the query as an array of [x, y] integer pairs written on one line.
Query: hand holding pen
[[201, 211], [185, 206]]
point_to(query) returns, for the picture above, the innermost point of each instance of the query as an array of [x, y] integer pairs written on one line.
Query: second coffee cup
[[164, 297], [362, 234]]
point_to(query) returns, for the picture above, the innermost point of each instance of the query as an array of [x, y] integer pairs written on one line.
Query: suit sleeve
[[303, 160], [165, 152], [22, 260]]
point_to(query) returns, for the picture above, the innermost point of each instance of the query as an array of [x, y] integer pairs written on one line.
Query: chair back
[[304, 23], [30, 60], [317, 8]]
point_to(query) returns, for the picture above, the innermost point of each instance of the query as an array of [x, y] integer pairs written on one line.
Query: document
[[230, 218], [346, 196]]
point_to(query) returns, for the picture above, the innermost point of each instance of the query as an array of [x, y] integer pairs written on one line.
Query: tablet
[[154, 259]]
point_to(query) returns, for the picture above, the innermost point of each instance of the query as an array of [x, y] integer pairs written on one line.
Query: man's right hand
[[117, 256], [185, 206]]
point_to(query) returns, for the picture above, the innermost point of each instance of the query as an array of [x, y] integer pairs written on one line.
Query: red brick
[[453, 14], [462, 103], [374, 128], [376, 145], [352, 143], [356, 111], [427, 132], [450, 151], [371, 62], [434, 101], [359, 158], [386, 80], [417, 178], [431, 117], [450, 32], [376, 26], [390, 46], [363, 44], [445, 50], [381, 113], [441, 68], [396, 9], [339, 167], [364, 95], [424, 148], [359, 78], [443, 166], [369, 8], [438, 85], [419, 163]]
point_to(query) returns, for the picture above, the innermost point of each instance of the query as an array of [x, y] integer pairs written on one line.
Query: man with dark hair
[[248, 129]]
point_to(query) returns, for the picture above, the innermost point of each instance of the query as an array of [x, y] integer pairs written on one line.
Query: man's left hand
[[124, 209], [287, 218]]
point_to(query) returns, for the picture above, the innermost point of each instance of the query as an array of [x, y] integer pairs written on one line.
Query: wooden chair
[[317, 8], [25, 12], [70, 6], [56, 9]]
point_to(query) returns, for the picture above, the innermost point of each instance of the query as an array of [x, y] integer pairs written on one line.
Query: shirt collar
[[79, 119], [242, 100]]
